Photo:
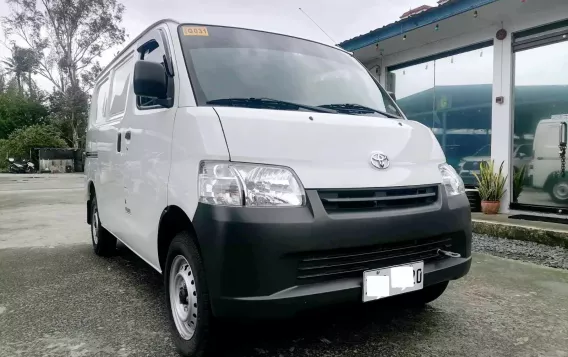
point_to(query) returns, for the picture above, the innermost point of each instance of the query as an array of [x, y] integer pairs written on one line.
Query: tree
[[67, 36], [17, 111], [21, 65], [23, 141]]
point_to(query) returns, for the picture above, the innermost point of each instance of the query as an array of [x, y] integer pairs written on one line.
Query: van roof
[[176, 22]]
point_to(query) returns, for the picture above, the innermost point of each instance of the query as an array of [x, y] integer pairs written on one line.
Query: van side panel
[[197, 136]]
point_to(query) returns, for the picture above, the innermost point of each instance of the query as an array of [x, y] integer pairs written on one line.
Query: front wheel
[[559, 191], [187, 297]]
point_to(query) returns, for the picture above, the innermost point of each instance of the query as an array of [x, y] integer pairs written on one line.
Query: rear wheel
[[559, 191], [187, 297], [104, 243]]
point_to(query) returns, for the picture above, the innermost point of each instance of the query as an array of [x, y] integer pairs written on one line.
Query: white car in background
[[469, 165]]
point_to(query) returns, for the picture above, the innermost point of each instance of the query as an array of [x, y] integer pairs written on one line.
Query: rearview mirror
[[392, 95], [150, 80]]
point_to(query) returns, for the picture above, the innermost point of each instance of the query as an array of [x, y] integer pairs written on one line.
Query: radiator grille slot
[[345, 263], [378, 198]]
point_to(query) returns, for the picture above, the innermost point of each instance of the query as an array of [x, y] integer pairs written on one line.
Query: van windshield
[[254, 69]]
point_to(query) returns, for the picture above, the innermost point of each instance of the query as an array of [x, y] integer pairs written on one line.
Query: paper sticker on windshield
[[195, 31]]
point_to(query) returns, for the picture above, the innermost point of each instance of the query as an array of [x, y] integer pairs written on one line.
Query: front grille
[[344, 263], [378, 198]]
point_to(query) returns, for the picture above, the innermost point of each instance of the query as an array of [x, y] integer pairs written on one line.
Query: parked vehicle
[[545, 170], [264, 174], [469, 165], [24, 166]]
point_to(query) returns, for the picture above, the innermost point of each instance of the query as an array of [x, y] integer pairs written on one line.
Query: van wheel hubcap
[[95, 227], [183, 297], [560, 190]]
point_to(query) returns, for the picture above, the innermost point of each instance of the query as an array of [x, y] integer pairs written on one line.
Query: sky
[[340, 19]]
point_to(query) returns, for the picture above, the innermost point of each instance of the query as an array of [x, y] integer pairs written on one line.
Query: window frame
[[123, 62], [104, 118]]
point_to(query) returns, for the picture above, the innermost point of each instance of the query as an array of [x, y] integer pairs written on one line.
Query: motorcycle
[[22, 167]]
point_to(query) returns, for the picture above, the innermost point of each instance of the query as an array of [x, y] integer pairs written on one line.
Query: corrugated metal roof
[[430, 16]]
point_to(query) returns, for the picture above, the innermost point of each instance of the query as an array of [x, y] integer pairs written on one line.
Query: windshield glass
[[230, 63]]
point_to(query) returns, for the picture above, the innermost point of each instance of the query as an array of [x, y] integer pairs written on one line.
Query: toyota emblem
[[380, 160]]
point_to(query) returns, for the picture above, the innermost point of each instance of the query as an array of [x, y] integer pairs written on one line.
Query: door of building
[[540, 120]]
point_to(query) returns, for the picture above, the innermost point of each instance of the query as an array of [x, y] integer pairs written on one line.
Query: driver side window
[[153, 55]]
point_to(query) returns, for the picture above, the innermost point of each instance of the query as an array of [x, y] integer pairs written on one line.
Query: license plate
[[385, 282]]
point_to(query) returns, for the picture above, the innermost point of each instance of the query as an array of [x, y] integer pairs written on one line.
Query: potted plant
[[491, 186], [518, 182]]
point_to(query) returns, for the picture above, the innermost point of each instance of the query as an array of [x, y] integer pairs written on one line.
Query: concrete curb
[[550, 237]]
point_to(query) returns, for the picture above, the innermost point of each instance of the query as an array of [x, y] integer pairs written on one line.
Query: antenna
[[315, 23]]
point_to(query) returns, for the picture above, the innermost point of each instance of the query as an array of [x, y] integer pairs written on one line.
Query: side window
[[120, 85], [102, 98], [154, 55]]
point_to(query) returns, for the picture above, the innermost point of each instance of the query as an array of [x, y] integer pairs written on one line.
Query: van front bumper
[[254, 257]]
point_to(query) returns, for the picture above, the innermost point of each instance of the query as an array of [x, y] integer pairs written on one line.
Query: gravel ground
[[555, 257]]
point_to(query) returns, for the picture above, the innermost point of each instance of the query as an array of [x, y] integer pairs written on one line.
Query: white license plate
[[385, 282]]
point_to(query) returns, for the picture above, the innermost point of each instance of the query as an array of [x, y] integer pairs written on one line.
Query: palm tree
[[21, 65]]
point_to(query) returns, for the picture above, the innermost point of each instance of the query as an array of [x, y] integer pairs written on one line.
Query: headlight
[[451, 180], [236, 184]]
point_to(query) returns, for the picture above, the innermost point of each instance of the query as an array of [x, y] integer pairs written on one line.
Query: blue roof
[[433, 15]]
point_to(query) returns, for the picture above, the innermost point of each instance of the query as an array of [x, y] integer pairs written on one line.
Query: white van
[[545, 171], [264, 174]]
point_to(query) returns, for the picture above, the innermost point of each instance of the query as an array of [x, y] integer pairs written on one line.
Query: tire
[[184, 278], [559, 191], [424, 296], [104, 243]]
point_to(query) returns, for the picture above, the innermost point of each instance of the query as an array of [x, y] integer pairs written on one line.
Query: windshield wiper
[[347, 107], [267, 102]]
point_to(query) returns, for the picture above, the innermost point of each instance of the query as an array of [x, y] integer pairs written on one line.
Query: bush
[[22, 141]]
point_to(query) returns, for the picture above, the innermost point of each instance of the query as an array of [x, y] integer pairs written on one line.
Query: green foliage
[[67, 37], [17, 111], [22, 141], [491, 184], [518, 181]]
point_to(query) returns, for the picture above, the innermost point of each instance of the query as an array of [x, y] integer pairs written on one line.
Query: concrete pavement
[[58, 299]]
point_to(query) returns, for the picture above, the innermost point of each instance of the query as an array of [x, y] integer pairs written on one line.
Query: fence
[[58, 160]]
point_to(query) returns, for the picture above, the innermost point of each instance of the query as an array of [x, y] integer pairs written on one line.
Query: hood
[[333, 150]]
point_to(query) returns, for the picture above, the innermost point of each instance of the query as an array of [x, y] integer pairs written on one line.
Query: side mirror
[[392, 95], [150, 80]]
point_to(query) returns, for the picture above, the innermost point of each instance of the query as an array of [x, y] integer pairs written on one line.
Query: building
[[490, 77]]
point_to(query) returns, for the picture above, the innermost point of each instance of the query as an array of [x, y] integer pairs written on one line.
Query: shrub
[[491, 184]]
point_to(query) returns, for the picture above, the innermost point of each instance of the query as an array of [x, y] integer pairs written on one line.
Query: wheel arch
[[172, 221], [552, 178]]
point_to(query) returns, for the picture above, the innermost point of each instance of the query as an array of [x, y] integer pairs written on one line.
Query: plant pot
[[490, 207]]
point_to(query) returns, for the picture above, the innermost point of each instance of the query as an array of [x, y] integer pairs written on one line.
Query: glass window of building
[[452, 95]]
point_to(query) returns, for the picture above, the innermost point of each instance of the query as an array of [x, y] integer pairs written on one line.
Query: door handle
[[118, 142], [563, 133], [127, 135]]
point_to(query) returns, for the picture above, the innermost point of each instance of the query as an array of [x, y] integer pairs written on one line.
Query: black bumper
[[254, 257]]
